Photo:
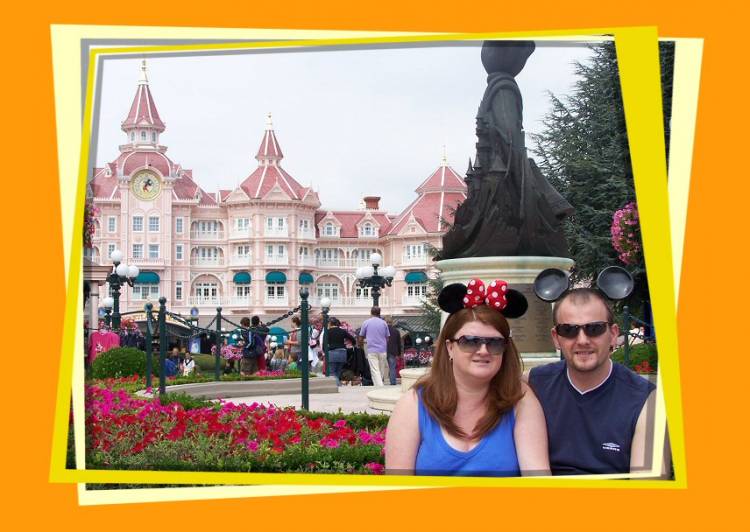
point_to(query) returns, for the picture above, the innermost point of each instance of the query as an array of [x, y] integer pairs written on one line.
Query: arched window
[[330, 229], [153, 136], [143, 135], [132, 135]]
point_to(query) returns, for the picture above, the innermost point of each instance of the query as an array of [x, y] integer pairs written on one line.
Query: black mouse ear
[[451, 297], [615, 282], [550, 284], [517, 304]]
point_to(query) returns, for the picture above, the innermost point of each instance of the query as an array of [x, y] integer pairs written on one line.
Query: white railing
[[244, 260], [412, 301], [340, 262], [348, 301], [237, 301], [276, 231], [277, 301], [277, 259], [207, 261], [145, 260], [414, 259], [207, 235], [239, 233], [201, 301], [308, 235], [303, 260]]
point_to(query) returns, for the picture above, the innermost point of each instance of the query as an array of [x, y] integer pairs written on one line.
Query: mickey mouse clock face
[[145, 185]]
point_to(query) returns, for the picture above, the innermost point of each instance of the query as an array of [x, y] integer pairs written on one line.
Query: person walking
[[375, 332], [394, 351], [336, 348]]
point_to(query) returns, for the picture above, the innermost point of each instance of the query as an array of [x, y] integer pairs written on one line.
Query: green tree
[[583, 150]]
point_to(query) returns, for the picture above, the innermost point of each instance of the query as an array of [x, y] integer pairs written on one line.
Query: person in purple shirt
[[375, 332]]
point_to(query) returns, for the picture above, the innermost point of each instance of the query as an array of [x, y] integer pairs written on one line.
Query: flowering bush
[[626, 233], [417, 359], [124, 432], [229, 352], [90, 213]]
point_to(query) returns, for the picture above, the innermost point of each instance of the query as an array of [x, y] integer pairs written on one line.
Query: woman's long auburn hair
[[438, 387]]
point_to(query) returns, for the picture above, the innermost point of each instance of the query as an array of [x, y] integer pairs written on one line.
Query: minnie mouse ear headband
[[510, 303], [614, 282]]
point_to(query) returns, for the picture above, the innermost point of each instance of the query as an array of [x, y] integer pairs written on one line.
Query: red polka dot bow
[[493, 296]]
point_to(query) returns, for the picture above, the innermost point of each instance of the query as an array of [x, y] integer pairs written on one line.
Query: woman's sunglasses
[[472, 344], [592, 330]]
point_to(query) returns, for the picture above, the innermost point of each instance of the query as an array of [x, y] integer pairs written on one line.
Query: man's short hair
[[255, 321], [583, 295], [375, 311], [334, 321]]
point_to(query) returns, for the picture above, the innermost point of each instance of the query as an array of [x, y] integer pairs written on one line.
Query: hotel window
[[132, 135], [143, 135], [275, 291], [243, 251], [178, 252], [415, 251], [110, 249], [179, 225], [153, 224], [112, 224], [242, 224], [304, 252], [138, 223], [153, 136], [280, 223], [330, 229], [416, 290], [304, 226], [367, 230], [153, 251], [269, 250], [145, 291], [330, 290], [137, 251], [178, 290], [281, 250], [242, 290]]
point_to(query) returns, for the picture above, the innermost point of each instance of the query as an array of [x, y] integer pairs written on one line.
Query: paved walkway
[[349, 399]]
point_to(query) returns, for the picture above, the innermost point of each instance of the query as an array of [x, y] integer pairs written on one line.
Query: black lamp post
[[325, 307], [369, 277], [121, 274], [107, 310]]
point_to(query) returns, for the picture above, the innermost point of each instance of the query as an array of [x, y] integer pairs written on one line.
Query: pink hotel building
[[250, 249]]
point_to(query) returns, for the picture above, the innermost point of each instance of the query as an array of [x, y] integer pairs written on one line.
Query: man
[[596, 410], [394, 351], [262, 331], [375, 332]]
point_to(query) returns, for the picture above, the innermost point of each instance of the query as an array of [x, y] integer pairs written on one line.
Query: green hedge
[[207, 363], [357, 421], [638, 353], [119, 362]]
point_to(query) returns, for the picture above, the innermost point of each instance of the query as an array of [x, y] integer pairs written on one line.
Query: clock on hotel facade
[[145, 185]]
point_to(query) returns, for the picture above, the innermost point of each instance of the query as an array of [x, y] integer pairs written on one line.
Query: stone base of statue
[[531, 332], [386, 397]]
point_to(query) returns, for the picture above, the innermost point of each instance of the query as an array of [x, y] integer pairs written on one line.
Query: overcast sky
[[350, 122]]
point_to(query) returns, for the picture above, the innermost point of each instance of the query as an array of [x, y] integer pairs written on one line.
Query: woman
[[336, 348], [188, 366], [472, 414]]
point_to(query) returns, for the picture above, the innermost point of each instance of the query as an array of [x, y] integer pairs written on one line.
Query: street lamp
[[368, 277], [325, 307], [108, 302], [121, 274]]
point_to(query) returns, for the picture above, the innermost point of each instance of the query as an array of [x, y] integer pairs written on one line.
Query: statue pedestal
[[531, 332]]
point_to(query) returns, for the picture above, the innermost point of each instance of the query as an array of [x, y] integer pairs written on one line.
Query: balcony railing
[[277, 301], [278, 260], [276, 231], [348, 301], [207, 235], [202, 301], [239, 301], [146, 261], [338, 262], [414, 259], [304, 260], [239, 233], [412, 301], [207, 261], [244, 260], [308, 235]]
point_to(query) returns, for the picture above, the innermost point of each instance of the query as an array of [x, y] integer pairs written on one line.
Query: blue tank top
[[493, 456], [590, 432]]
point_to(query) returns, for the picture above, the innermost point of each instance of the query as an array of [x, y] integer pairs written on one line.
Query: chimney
[[372, 203]]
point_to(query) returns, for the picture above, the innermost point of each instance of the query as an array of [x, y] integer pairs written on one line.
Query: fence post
[[303, 362], [162, 344], [218, 338], [149, 346], [626, 327]]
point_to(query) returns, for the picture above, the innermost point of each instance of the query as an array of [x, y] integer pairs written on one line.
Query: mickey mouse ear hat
[[510, 303], [614, 282]]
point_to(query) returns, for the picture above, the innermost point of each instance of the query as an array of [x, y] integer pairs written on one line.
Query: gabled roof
[[349, 220], [143, 111], [439, 195]]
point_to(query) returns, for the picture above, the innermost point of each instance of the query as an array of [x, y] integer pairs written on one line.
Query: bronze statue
[[510, 209]]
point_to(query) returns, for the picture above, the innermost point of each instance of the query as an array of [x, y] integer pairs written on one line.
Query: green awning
[[276, 277], [305, 278], [416, 277], [147, 278], [242, 278]]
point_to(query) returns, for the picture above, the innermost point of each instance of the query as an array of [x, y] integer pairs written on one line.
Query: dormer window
[[132, 136], [367, 229], [153, 136], [143, 135], [329, 229]]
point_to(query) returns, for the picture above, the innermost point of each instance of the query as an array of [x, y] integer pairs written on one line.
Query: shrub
[[207, 363], [188, 402], [357, 421], [119, 362], [639, 353]]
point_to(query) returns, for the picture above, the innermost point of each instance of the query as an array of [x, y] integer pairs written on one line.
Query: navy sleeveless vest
[[589, 433]]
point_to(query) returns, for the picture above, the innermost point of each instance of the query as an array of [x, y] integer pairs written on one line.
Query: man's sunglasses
[[592, 330], [472, 344]]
